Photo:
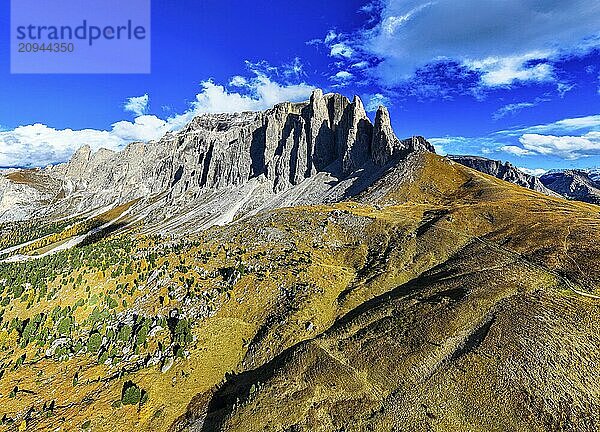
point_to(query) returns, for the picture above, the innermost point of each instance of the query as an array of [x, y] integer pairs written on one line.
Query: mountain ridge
[[578, 185], [504, 171], [256, 155]]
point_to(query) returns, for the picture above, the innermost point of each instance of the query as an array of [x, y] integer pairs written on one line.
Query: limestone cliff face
[[25, 194], [286, 145], [385, 146], [273, 150]]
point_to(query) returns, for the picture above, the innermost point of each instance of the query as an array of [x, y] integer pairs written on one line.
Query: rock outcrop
[[594, 174], [256, 155], [573, 184], [23, 194], [286, 145], [386, 146]]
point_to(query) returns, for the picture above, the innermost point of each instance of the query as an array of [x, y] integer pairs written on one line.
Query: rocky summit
[[220, 167], [297, 269]]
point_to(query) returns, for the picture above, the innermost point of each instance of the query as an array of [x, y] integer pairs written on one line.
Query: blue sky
[[515, 80]]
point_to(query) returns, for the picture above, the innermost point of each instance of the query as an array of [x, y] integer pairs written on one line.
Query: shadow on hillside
[[239, 388], [215, 406], [102, 234], [210, 410]]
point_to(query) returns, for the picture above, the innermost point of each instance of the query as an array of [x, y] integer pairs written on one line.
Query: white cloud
[[504, 71], [293, 69], [238, 81], [40, 145], [511, 109], [439, 149], [143, 128], [564, 88], [262, 67], [216, 99], [369, 7], [261, 92], [342, 76], [569, 139], [565, 126], [575, 123], [342, 50], [264, 93], [566, 147], [331, 36], [516, 150], [438, 144], [538, 172], [498, 39], [137, 105], [376, 100], [360, 65], [391, 24], [343, 53], [514, 108]]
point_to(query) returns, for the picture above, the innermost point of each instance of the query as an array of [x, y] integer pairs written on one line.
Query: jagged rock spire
[[284, 145], [356, 139], [384, 141], [386, 146]]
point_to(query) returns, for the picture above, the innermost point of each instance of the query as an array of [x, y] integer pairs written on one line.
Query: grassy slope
[[492, 337], [446, 302]]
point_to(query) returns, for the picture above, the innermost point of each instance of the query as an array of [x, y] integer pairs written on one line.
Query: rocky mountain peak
[[386, 146], [79, 160], [247, 157]]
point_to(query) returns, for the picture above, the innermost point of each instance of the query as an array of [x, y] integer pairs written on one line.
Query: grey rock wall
[[274, 151]]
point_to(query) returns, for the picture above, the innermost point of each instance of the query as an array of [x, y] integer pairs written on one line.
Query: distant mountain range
[[579, 185], [574, 184], [504, 171], [594, 174]]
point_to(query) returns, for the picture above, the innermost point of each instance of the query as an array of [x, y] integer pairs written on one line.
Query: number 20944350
[[24, 47]]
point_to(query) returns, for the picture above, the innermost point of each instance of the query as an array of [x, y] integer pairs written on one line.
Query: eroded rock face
[[25, 194], [286, 144], [385, 146], [573, 184], [273, 150]]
